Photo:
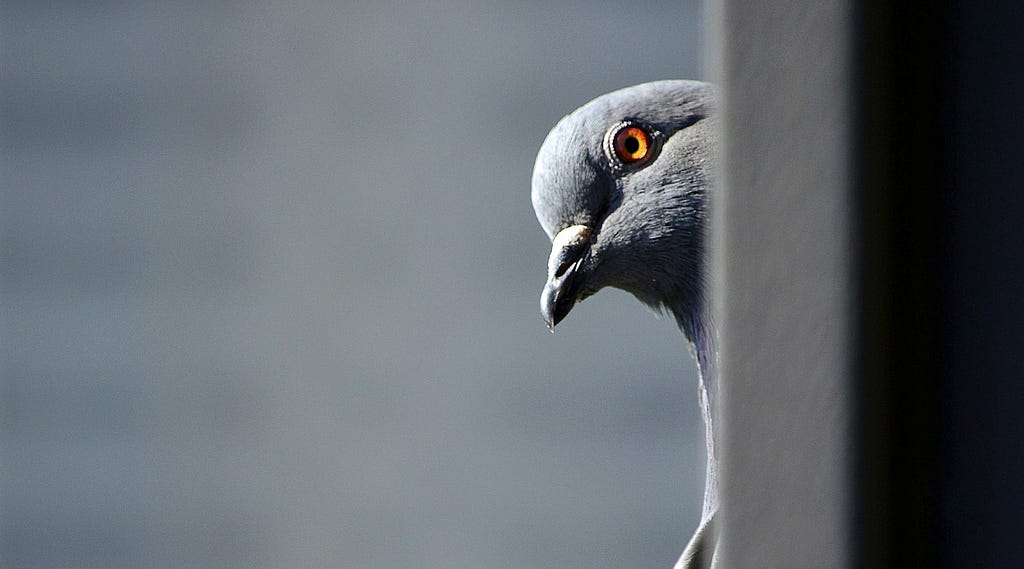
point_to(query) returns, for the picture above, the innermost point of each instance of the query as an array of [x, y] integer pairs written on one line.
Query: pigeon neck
[[703, 337]]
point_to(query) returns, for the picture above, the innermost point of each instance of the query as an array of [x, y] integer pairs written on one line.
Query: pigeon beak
[[568, 249]]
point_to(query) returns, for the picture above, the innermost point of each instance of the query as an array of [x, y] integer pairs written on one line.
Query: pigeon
[[621, 187]]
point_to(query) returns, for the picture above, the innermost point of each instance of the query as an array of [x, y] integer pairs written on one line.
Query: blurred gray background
[[269, 282]]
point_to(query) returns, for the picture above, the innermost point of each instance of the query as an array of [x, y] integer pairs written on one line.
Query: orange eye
[[632, 144]]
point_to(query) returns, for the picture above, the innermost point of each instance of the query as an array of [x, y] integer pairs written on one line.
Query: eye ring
[[631, 145]]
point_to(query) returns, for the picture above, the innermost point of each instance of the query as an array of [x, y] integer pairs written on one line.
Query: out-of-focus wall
[[268, 293]]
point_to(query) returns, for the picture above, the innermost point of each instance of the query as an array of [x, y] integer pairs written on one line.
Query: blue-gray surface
[[269, 283]]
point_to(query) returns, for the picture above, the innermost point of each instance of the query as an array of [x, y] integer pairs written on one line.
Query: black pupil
[[631, 145]]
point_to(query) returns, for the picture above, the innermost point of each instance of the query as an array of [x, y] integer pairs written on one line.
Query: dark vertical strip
[[901, 178], [940, 190], [983, 491]]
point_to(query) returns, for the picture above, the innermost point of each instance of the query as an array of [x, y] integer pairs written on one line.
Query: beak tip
[[551, 324], [549, 320], [550, 307], [553, 310]]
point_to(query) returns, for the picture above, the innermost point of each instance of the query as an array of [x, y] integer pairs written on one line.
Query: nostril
[[563, 267], [567, 248]]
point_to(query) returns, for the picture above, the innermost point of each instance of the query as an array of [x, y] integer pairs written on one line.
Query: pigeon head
[[619, 186]]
